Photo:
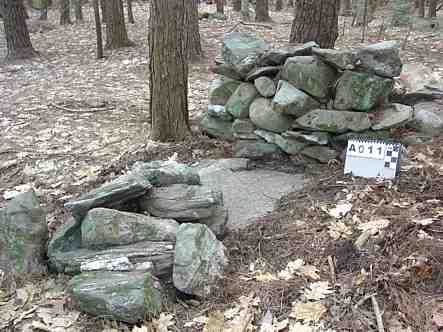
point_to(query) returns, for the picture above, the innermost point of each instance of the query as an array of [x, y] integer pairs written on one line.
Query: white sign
[[367, 149]]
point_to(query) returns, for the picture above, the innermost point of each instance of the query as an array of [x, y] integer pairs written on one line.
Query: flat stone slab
[[248, 194]]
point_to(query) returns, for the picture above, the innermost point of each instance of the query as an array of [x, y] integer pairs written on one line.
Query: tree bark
[[65, 13], [168, 71], [103, 9], [236, 4], [245, 10], [262, 11], [116, 34], [98, 29], [346, 7], [220, 6], [432, 11], [130, 12], [191, 42], [360, 11], [278, 5], [78, 11], [421, 8], [291, 3], [315, 21], [18, 42]]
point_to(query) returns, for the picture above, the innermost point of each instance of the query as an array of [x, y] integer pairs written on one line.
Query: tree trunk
[[103, 9], [116, 34], [291, 3], [236, 4], [78, 11], [432, 11], [65, 15], [315, 21], [360, 11], [191, 42], [44, 11], [130, 12], [245, 10], [262, 11], [346, 7], [98, 29], [220, 6], [421, 8], [278, 5], [168, 71], [18, 42]]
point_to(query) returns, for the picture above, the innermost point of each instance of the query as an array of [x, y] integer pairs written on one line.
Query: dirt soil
[[69, 122]]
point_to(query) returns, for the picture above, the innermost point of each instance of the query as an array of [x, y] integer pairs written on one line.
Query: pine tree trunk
[[116, 34], [18, 42], [98, 29], [130, 12], [65, 13], [278, 5], [421, 8], [168, 71], [315, 21], [78, 11], [245, 10], [44, 11], [236, 4], [191, 42], [432, 11], [262, 11], [220, 6]]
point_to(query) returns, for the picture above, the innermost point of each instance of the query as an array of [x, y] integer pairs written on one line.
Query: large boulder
[[67, 237], [311, 75], [164, 173], [265, 86], [361, 91], [103, 228], [237, 46], [428, 118], [392, 116], [292, 101], [238, 104], [112, 194], [382, 59], [278, 56], [199, 260], [221, 89], [129, 297], [255, 149], [262, 115], [23, 236], [339, 59], [217, 127], [334, 121]]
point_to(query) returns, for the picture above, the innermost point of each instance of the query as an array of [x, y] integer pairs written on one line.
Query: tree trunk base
[[21, 54], [120, 44]]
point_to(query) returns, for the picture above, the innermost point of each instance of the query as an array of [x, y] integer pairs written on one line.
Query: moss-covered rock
[[264, 117], [238, 104], [221, 89], [334, 121]]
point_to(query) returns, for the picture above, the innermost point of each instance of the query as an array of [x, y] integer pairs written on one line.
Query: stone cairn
[[301, 99]]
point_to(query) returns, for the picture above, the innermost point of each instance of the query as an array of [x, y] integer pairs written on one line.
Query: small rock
[[392, 116], [428, 118], [278, 56], [103, 228], [218, 111], [322, 154], [216, 127], [238, 104], [237, 46], [199, 260], [227, 70], [269, 71], [265, 86], [268, 136], [221, 89], [67, 237], [334, 121], [339, 59], [243, 126], [382, 59], [128, 297], [292, 101], [262, 115], [314, 137], [255, 150], [290, 145]]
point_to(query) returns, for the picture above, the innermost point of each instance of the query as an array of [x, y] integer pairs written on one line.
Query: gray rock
[[237, 46], [361, 91], [392, 116], [128, 297], [227, 70], [339, 59], [67, 237], [384, 135], [218, 111], [238, 104], [334, 121], [112, 194], [309, 74], [422, 95], [23, 236], [217, 223], [221, 89], [217, 127], [278, 56], [428, 118], [292, 101], [381, 59], [243, 126], [269, 71], [322, 154], [314, 137], [165, 172], [206, 166], [268, 136], [415, 139], [104, 228], [156, 257], [290, 145], [262, 115], [182, 202], [265, 86], [255, 150], [199, 260], [245, 136]]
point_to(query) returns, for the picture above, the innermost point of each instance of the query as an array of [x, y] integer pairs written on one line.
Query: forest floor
[[69, 122]]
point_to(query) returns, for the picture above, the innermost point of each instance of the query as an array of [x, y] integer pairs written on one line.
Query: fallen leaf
[[374, 226], [310, 311], [265, 277], [339, 230], [215, 322], [340, 210], [318, 290], [164, 322], [425, 222], [310, 271]]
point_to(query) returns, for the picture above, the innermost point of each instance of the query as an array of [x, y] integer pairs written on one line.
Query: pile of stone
[[118, 258], [301, 99]]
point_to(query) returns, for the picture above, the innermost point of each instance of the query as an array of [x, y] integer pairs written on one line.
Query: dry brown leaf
[[310, 311], [338, 230], [215, 322], [163, 323], [318, 290]]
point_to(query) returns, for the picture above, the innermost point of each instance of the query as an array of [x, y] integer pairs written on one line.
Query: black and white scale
[[372, 158]]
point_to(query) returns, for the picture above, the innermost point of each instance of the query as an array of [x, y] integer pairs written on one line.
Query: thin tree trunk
[[168, 71], [421, 8], [262, 11], [116, 34], [236, 4], [346, 7], [98, 29], [18, 42], [220, 6], [65, 13], [315, 21], [278, 5], [191, 41], [103, 9], [78, 11], [245, 10], [432, 11], [130, 12], [291, 3]]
